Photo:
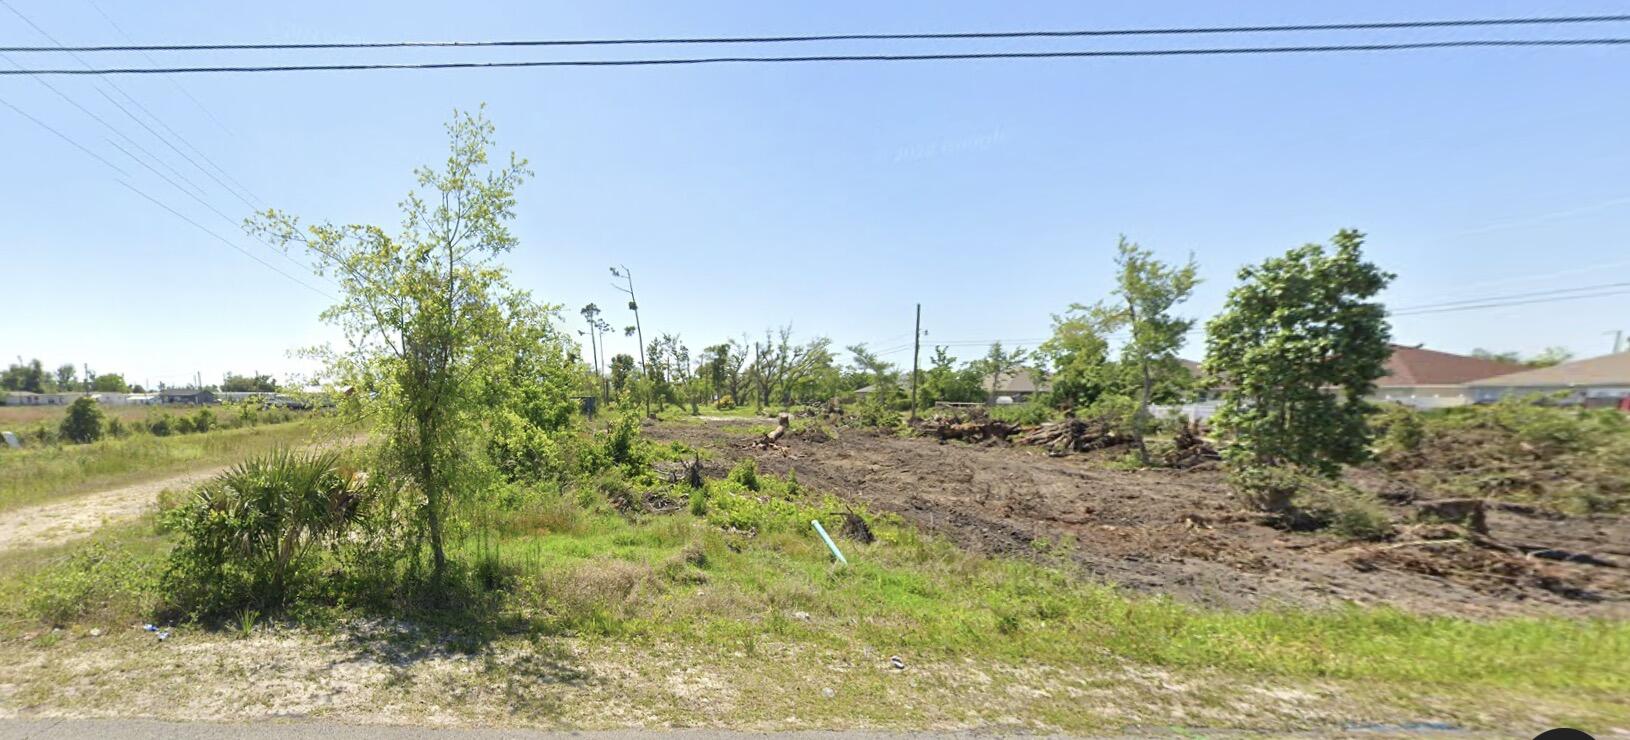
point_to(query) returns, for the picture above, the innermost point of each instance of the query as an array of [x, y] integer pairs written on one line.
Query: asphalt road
[[143, 729]]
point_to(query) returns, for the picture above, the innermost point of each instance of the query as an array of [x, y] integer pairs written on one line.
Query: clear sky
[[830, 196]]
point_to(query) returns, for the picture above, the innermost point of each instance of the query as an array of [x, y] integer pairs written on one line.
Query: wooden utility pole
[[916, 347]]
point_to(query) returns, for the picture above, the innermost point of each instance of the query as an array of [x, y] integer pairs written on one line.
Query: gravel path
[[70, 519]]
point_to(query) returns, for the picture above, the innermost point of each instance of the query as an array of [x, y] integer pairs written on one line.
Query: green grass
[[705, 581], [736, 580], [36, 474]]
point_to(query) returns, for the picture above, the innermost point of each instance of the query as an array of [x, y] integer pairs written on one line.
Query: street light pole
[[634, 305]]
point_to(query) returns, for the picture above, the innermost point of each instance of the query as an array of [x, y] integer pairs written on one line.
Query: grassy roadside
[[33, 475], [685, 618]]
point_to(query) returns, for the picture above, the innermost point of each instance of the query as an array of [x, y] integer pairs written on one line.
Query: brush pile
[[1074, 435]]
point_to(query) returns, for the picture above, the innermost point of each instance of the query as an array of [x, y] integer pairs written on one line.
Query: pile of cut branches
[[1074, 435]]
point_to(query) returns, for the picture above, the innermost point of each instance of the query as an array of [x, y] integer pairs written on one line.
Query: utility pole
[[916, 349], [1618, 340], [639, 334]]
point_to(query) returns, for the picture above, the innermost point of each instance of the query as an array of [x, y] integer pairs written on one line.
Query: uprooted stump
[[1190, 449], [675, 472], [1467, 512], [771, 440], [855, 528]]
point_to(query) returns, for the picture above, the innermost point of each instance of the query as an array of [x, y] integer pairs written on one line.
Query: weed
[[246, 622], [745, 474]]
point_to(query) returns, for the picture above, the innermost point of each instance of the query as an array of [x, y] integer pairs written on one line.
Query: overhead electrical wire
[[41, 31], [950, 36], [155, 201], [692, 61], [198, 196], [1504, 304], [64, 137], [1513, 296], [150, 60], [225, 240]]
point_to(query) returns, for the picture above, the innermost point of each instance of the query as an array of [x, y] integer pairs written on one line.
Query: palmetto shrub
[[252, 537]]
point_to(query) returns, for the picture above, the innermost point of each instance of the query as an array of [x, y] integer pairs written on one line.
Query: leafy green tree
[[110, 383], [1297, 347], [622, 372], [1550, 356], [878, 373], [997, 365], [66, 375], [428, 315], [248, 383], [28, 377], [1078, 353], [84, 422], [1146, 291]]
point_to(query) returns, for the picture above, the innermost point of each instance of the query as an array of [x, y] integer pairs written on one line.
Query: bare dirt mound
[[1181, 533]]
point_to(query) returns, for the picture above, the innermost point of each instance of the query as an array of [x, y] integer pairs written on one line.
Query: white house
[[1598, 381]]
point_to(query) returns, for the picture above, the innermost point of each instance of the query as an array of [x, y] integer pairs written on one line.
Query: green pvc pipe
[[828, 540]]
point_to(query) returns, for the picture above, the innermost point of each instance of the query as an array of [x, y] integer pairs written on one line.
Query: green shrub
[[1298, 500], [203, 421], [745, 474], [1266, 489], [1029, 413], [1568, 458], [698, 501], [1399, 431], [94, 579], [725, 403], [83, 423], [251, 537], [622, 442], [1116, 411], [162, 425]]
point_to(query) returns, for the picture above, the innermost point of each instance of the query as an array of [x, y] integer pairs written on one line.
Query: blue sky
[[833, 197]]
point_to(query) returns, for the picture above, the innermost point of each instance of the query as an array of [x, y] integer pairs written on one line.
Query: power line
[[225, 241], [150, 60], [1512, 296], [139, 161], [972, 35], [64, 137], [1097, 54], [133, 101], [1503, 304]]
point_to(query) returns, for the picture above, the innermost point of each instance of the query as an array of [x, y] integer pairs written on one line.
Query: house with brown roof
[[1598, 381], [1427, 379], [1017, 386]]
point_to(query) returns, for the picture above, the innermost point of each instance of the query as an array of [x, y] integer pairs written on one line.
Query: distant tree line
[[31, 376]]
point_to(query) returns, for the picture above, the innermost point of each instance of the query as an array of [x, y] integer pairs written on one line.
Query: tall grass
[[32, 475]]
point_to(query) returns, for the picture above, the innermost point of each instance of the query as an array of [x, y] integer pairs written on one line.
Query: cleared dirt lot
[[1181, 533]]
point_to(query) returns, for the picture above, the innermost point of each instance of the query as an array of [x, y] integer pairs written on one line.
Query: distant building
[[191, 396], [1598, 381], [1017, 386], [1429, 379], [29, 398]]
